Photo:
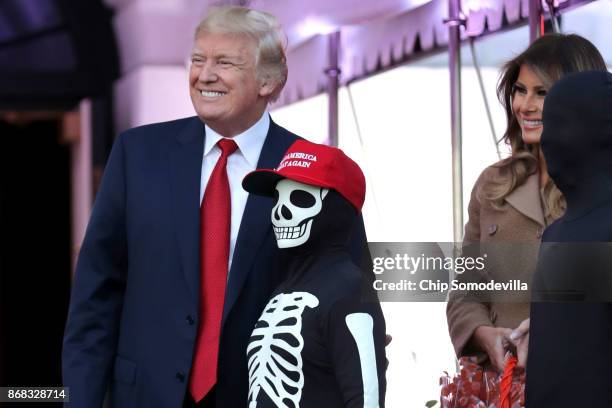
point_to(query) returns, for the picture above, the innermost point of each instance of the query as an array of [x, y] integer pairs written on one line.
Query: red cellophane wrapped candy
[[473, 387]]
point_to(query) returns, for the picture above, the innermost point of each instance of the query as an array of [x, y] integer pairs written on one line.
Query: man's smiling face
[[223, 84]]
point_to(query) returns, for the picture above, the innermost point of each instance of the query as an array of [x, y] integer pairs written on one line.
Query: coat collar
[[526, 199]]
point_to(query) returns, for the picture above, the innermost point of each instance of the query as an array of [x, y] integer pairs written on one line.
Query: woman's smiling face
[[527, 104]]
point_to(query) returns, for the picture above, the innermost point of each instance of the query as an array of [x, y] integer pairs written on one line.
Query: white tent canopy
[[376, 35]]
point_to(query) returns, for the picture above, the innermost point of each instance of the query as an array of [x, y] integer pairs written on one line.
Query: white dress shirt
[[241, 162]]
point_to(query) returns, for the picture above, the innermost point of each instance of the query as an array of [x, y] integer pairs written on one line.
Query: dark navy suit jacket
[[133, 314]]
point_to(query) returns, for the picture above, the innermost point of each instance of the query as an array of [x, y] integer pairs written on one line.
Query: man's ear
[[267, 87]]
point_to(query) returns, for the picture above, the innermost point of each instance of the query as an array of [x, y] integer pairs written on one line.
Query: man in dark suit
[[178, 261]]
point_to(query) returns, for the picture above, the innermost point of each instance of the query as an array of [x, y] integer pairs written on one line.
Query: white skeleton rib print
[[279, 329]]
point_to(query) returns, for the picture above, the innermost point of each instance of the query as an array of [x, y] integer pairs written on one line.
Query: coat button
[[190, 320], [492, 229], [180, 376]]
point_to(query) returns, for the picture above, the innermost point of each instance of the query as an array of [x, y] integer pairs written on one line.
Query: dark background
[[35, 279], [53, 54]]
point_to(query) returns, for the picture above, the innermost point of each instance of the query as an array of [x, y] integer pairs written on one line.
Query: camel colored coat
[[516, 232]]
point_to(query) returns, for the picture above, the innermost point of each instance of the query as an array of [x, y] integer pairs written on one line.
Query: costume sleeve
[[356, 337], [90, 339], [358, 247], [465, 314]]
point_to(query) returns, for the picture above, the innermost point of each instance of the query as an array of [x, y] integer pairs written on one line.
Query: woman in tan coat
[[513, 201]]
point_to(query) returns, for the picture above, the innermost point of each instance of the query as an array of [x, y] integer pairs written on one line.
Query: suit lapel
[[526, 199], [185, 172], [255, 224]]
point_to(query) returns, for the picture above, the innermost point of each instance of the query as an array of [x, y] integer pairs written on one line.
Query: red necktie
[[215, 219]]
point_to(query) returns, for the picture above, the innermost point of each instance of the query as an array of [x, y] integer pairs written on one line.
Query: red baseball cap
[[315, 164]]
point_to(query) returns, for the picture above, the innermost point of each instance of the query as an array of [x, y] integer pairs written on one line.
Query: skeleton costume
[[318, 343]]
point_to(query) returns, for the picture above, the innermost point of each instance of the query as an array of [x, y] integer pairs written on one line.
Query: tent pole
[[333, 80], [535, 18], [454, 62]]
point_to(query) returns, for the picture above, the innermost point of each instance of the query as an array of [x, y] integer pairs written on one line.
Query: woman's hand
[[520, 338], [493, 341]]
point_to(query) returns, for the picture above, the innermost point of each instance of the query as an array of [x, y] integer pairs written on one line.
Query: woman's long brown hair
[[551, 57]]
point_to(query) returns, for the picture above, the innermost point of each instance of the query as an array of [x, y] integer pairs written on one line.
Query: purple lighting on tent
[[469, 6], [312, 26]]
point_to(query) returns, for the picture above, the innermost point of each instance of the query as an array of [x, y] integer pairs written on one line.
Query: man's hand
[[492, 340], [520, 338]]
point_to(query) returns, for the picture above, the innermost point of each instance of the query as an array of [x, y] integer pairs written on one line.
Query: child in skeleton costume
[[318, 343]]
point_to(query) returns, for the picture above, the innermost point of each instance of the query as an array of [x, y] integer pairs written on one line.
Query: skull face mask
[[294, 360], [295, 207]]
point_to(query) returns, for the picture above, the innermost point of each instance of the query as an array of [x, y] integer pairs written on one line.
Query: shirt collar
[[250, 142]]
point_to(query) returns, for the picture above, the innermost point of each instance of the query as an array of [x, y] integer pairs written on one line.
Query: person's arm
[[356, 339], [465, 314], [358, 247], [90, 339]]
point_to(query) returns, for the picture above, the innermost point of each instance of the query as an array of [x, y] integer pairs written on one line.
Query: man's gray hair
[[264, 28]]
